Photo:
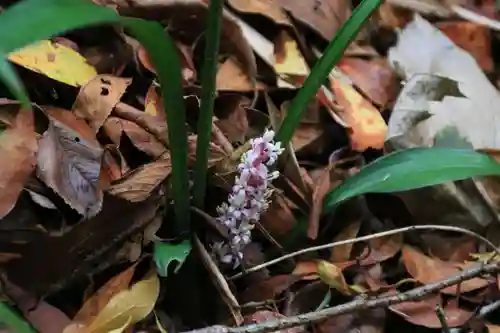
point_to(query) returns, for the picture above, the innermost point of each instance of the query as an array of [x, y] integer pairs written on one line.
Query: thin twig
[[442, 319], [366, 238], [355, 305]]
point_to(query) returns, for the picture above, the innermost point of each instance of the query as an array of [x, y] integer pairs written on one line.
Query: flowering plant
[[248, 198]]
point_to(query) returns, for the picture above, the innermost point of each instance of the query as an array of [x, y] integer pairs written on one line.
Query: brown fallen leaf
[[382, 248], [142, 140], [288, 58], [374, 78], [342, 253], [423, 313], [267, 8], [153, 104], [279, 218], [323, 16], [471, 37], [323, 185], [113, 166], [231, 77], [269, 289], [140, 183], [306, 299], [367, 127], [426, 270], [101, 297], [265, 315], [368, 321], [69, 161], [18, 146], [98, 97], [332, 275], [307, 270], [232, 116]]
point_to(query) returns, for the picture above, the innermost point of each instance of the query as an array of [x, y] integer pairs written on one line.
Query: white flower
[[248, 198]]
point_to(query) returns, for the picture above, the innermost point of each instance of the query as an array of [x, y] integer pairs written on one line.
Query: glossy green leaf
[[208, 74], [166, 253], [52, 17], [323, 67], [411, 169], [13, 320]]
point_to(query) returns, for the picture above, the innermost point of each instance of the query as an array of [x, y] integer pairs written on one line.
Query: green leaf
[[52, 17], [165, 253], [411, 169], [323, 67], [207, 99], [13, 320]]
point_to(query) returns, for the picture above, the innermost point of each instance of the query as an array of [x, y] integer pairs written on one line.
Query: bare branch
[[364, 239], [355, 305]]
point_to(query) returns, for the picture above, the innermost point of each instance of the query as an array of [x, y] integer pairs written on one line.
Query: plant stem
[[207, 100]]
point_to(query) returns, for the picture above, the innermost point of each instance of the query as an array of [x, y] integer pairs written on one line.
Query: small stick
[[366, 238]]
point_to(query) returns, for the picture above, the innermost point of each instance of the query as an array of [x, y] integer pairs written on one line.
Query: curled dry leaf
[[56, 61], [426, 270], [374, 78], [307, 270], [323, 16], [69, 161], [127, 307], [367, 127], [232, 114], [423, 313], [142, 140], [140, 183], [98, 301], [382, 248], [322, 187], [113, 166], [232, 77], [342, 253], [18, 146], [98, 97], [153, 104], [332, 275]]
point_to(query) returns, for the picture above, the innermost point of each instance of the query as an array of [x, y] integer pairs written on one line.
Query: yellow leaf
[[332, 276], [128, 307], [289, 60], [56, 61]]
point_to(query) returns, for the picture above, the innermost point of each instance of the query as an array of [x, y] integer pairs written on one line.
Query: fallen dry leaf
[[279, 218], [473, 38], [232, 116], [323, 16], [231, 76], [140, 183], [153, 104], [56, 61], [368, 321], [98, 97], [367, 127], [342, 253], [142, 140], [268, 8], [426, 270], [269, 289], [18, 146], [374, 78], [288, 58], [323, 186], [307, 270], [69, 161], [332, 275], [265, 315], [99, 299], [382, 248], [127, 307], [423, 313]]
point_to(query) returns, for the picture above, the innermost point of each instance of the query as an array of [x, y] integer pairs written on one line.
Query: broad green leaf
[[128, 307], [413, 168], [165, 253], [13, 320], [52, 17], [207, 99], [323, 67]]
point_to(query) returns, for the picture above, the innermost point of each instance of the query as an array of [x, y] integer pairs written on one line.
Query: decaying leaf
[[232, 114], [56, 61], [267, 8], [423, 313], [367, 128], [269, 289], [127, 307], [230, 76], [426, 270], [93, 306], [264, 315], [370, 321], [288, 59], [153, 104], [98, 97], [382, 248], [333, 276], [307, 270], [140, 183], [343, 252], [18, 146], [69, 161]]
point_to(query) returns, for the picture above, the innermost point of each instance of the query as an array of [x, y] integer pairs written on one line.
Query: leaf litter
[[420, 74]]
